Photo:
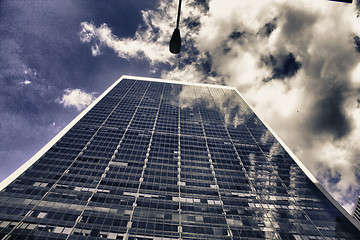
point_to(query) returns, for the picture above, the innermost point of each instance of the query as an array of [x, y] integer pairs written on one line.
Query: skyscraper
[[356, 213], [153, 159]]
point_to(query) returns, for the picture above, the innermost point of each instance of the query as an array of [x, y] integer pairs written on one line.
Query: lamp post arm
[[178, 15]]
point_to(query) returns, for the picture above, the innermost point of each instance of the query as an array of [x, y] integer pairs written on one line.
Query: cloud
[[357, 43], [76, 98], [25, 82], [151, 40], [283, 66], [124, 48], [308, 49], [188, 73], [95, 50]]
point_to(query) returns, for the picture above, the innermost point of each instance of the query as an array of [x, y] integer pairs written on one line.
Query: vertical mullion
[[126, 236], [179, 166], [212, 167], [108, 165], [252, 185]]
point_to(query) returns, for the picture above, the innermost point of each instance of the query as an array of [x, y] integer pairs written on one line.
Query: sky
[[296, 62]]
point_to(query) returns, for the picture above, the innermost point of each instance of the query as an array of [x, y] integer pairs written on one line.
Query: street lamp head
[[175, 42]]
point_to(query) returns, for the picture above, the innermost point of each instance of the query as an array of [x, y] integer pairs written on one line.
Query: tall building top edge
[[43, 150], [305, 170], [175, 82]]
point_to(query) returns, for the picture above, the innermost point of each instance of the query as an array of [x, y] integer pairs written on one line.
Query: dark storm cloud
[[206, 64], [328, 115], [297, 21], [357, 43], [288, 67], [204, 4], [236, 35], [283, 66], [192, 24], [202, 64], [268, 28], [269, 61]]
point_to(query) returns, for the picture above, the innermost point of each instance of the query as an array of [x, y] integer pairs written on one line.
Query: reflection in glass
[[172, 161]]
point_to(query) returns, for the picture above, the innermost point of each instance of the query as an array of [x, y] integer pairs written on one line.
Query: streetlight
[[175, 42]]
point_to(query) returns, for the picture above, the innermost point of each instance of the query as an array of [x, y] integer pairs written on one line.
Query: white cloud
[[314, 110], [25, 82], [355, 74], [151, 40], [76, 98], [125, 48], [186, 74], [30, 75], [95, 50], [87, 32]]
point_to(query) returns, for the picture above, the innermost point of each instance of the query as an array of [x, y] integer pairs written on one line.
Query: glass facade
[[165, 160], [356, 213]]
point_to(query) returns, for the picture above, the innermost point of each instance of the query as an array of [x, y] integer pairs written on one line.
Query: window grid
[[168, 161]]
